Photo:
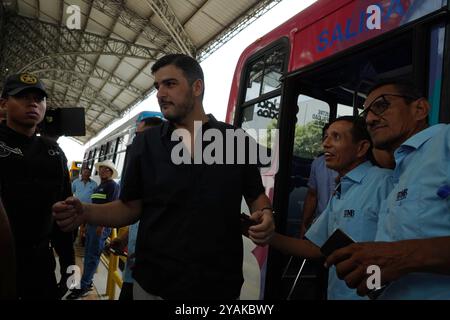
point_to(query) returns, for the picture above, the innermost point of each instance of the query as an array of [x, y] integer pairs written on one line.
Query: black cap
[[19, 82]]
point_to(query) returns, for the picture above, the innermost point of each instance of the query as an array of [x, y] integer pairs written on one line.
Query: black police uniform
[[33, 176]]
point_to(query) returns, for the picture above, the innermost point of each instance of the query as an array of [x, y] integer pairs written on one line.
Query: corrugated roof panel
[[27, 8], [108, 62], [124, 32], [124, 98], [182, 9], [99, 23], [96, 82], [110, 91], [126, 71], [140, 7]]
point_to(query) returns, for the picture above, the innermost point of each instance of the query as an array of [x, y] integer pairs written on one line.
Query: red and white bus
[[316, 66]]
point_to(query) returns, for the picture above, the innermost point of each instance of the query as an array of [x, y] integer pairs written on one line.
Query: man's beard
[[181, 111]]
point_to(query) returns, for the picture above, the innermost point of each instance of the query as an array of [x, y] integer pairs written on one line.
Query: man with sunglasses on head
[[413, 233], [33, 175]]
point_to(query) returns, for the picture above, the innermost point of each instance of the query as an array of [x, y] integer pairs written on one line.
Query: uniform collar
[[415, 142], [357, 174], [19, 137]]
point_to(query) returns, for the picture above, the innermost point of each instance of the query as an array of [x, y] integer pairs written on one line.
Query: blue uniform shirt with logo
[[417, 207], [82, 190], [355, 211], [322, 180]]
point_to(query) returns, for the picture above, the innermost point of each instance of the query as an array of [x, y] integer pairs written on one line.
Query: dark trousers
[[36, 273], [126, 294]]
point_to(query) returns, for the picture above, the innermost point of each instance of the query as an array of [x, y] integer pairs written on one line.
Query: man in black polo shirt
[[189, 243]]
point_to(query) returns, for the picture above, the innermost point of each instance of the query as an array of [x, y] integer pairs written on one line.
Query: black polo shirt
[[189, 243]]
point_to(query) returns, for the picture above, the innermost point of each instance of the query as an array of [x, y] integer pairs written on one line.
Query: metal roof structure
[[97, 54]]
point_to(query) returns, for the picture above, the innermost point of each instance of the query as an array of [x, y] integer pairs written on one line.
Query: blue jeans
[[93, 248]]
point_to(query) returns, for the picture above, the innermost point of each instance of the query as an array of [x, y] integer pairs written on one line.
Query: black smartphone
[[339, 239], [246, 223]]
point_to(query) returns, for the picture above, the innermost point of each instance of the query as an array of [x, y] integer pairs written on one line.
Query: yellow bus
[[74, 170]]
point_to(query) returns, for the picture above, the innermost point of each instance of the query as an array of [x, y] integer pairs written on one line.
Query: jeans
[[93, 249]]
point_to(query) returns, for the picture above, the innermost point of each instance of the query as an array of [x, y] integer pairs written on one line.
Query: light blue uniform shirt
[[354, 211], [413, 210], [132, 236], [83, 191], [323, 180]]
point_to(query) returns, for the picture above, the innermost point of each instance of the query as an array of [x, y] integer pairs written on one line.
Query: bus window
[[261, 115], [254, 80], [261, 108], [312, 115], [265, 74], [344, 110]]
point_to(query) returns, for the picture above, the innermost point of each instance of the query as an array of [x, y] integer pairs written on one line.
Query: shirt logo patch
[[401, 195], [53, 152], [5, 151], [349, 213]]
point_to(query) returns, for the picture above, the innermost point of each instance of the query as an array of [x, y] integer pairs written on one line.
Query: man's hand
[[352, 262], [119, 243], [263, 231], [69, 214]]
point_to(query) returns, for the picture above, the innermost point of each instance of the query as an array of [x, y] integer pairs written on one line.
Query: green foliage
[[308, 140]]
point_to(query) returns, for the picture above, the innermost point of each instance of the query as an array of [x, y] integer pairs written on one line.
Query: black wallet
[[246, 223], [339, 239]]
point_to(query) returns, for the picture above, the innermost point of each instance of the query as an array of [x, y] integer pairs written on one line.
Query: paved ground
[[99, 278]]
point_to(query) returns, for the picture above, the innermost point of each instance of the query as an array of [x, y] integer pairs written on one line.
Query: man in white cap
[[107, 191]]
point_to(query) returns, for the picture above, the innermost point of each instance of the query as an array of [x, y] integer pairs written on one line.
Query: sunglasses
[[381, 104]]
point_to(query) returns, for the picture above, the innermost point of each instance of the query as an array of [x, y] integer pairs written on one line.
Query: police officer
[[33, 175]]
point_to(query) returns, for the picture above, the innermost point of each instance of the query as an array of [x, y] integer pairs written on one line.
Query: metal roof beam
[[74, 81], [233, 29], [173, 26], [111, 30], [88, 92], [65, 72], [44, 45], [69, 100], [76, 42], [135, 22]]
